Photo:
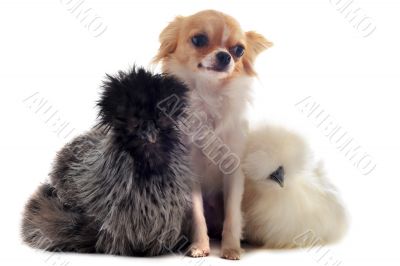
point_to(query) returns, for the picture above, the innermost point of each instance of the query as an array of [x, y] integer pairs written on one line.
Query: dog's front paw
[[198, 250], [231, 253], [230, 247]]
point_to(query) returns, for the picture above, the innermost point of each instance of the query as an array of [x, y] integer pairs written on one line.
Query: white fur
[[223, 106], [306, 211], [225, 36]]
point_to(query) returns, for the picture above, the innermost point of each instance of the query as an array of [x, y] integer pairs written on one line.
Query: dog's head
[[209, 45]]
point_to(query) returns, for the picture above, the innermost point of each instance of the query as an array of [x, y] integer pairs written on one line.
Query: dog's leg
[[233, 191], [201, 244]]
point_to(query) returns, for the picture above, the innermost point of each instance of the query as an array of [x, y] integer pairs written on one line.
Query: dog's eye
[[238, 50], [200, 40]]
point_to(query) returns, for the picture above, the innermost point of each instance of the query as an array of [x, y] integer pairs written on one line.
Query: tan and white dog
[[214, 57]]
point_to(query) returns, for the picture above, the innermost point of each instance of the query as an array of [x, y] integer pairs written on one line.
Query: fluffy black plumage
[[135, 119], [124, 187]]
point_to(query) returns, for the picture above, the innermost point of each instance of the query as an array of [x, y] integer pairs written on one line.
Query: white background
[[317, 52]]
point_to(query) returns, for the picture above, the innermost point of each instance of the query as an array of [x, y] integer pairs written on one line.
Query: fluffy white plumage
[[306, 211]]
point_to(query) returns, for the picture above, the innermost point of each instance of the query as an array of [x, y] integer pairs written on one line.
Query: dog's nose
[[223, 59]]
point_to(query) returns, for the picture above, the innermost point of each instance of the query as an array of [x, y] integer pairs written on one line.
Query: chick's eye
[[200, 40], [238, 50], [164, 122], [133, 122]]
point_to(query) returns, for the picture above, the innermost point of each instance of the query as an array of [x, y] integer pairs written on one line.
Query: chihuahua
[[214, 57]]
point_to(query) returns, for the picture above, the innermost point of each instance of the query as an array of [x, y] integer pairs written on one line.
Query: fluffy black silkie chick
[[124, 187]]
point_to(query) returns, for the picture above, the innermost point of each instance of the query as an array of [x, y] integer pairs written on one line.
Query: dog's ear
[[168, 39], [255, 44]]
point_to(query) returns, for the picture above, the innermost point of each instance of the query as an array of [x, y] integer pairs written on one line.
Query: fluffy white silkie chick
[[288, 201]]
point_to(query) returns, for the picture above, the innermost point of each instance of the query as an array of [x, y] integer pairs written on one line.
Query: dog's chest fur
[[223, 111]]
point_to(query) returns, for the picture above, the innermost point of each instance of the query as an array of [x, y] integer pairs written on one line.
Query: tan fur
[[307, 211], [256, 43], [221, 98], [176, 47]]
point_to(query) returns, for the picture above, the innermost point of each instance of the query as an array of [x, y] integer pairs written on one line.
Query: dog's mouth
[[214, 68]]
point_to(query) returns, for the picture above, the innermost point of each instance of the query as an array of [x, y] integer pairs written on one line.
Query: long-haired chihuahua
[[214, 57]]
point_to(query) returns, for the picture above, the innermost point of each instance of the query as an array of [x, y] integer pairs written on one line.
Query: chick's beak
[[151, 132], [278, 176], [152, 137]]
